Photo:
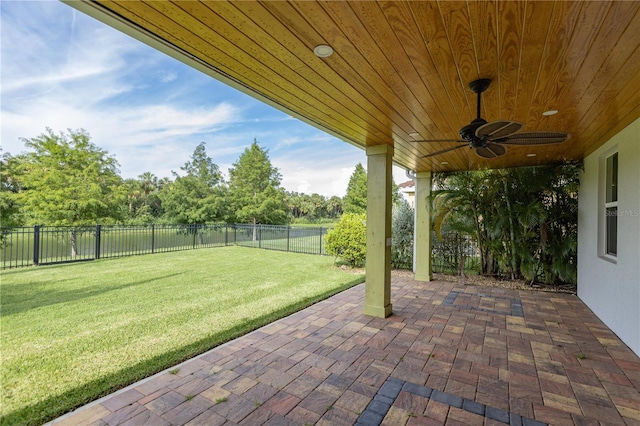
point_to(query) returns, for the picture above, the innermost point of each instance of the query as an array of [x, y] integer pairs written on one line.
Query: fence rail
[[42, 245]]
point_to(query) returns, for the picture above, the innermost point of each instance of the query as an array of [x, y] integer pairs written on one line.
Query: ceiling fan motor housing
[[468, 133]]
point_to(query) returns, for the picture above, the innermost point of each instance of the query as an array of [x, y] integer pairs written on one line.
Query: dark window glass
[[612, 230], [612, 178]]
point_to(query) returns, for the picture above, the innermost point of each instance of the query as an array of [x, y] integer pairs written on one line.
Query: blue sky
[[64, 70]]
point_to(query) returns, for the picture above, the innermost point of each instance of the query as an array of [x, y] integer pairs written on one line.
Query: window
[[611, 205]]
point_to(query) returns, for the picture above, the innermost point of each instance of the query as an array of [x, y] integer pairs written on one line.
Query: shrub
[[402, 236], [348, 240]]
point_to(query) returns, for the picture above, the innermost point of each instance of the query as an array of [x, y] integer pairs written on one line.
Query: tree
[[67, 180], [202, 167], [300, 206], [255, 195], [143, 201], [355, 200], [314, 207], [334, 207], [197, 197], [150, 187], [396, 197], [10, 212]]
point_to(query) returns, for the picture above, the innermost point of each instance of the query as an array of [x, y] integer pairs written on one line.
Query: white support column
[[422, 232], [378, 264]]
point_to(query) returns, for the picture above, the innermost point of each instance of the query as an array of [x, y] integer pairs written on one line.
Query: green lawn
[[72, 333]]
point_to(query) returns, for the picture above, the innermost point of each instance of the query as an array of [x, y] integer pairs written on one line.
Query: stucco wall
[[612, 288]]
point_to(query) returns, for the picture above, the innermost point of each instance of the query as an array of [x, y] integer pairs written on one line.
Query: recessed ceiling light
[[414, 135], [444, 163], [323, 50], [531, 155], [550, 112]]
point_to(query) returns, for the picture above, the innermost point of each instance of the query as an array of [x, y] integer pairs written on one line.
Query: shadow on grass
[[57, 405], [14, 298]]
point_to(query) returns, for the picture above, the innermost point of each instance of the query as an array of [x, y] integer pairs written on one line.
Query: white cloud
[[153, 121], [48, 53], [168, 77], [68, 71], [321, 169], [90, 81]]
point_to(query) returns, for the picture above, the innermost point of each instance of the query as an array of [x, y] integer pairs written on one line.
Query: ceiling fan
[[488, 139]]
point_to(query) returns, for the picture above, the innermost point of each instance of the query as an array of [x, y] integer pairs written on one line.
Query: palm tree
[[524, 220]]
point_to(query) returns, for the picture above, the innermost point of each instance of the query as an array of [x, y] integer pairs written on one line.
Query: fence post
[[226, 234], [320, 240], [36, 244], [259, 236], [153, 238], [98, 231], [288, 237]]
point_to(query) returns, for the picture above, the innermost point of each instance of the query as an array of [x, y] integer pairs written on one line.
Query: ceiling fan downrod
[[468, 132], [479, 86]]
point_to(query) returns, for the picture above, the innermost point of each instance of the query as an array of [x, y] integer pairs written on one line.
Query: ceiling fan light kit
[[488, 138]]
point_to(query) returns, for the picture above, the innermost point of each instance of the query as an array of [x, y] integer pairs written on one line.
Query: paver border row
[[391, 388]]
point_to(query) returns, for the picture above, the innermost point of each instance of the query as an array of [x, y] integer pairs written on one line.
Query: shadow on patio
[[449, 354]]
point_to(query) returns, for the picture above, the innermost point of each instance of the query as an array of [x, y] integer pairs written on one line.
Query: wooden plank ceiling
[[401, 67]]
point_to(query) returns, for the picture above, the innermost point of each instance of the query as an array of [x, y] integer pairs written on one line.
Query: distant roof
[[407, 184]]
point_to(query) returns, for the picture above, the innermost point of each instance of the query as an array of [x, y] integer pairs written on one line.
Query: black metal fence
[[454, 253], [40, 245], [284, 238]]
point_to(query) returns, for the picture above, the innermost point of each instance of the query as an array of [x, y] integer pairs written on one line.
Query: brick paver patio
[[450, 354]]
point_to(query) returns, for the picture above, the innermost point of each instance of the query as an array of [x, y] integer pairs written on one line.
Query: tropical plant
[[523, 220], [312, 208], [144, 205]]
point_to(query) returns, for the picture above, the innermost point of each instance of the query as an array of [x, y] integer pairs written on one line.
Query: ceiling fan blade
[[442, 151], [534, 138], [492, 150], [498, 129]]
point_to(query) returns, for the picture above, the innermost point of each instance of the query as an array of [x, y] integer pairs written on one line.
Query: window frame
[[608, 211]]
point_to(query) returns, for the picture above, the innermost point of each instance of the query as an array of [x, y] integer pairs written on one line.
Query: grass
[[73, 333]]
